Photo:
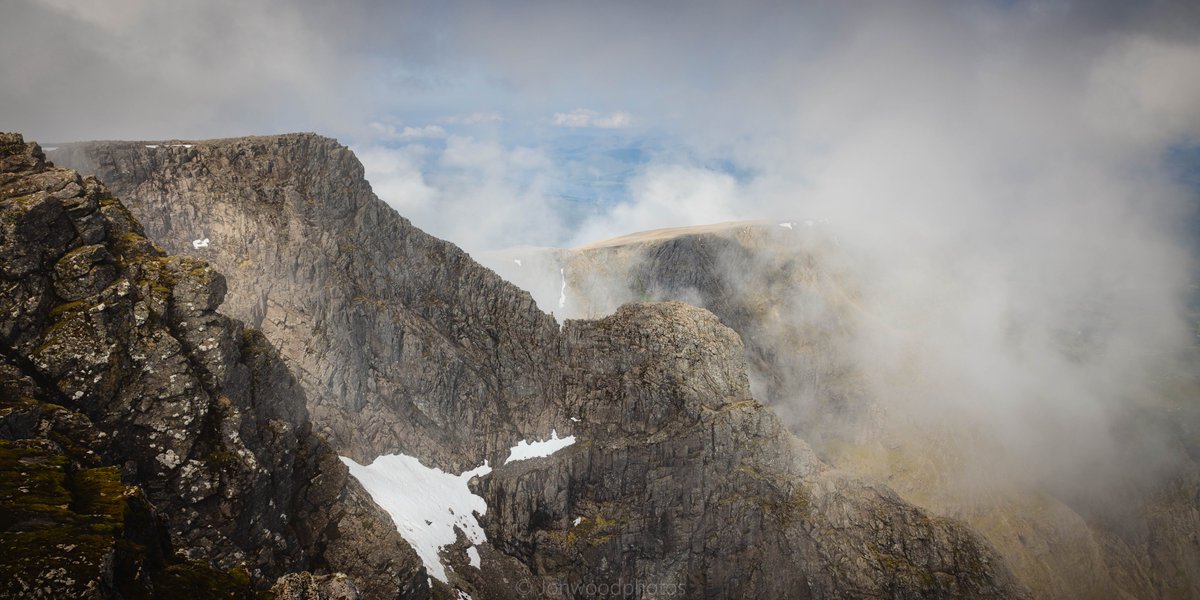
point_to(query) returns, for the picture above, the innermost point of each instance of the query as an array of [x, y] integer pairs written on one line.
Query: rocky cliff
[[150, 445], [402, 343]]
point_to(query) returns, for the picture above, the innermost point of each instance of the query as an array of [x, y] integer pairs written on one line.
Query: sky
[[565, 122]]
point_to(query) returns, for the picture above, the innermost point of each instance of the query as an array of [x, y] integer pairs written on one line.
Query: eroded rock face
[[401, 341], [154, 439]]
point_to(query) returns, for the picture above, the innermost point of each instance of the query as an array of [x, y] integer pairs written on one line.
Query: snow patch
[[151, 146], [525, 449], [473, 557], [518, 261], [575, 419], [197, 244], [562, 291], [427, 504], [788, 225], [50, 149], [576, 522]]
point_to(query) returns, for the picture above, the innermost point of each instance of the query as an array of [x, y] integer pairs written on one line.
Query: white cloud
[[669, 196], [406, 133], [478, 194], [475, 118], [583, 117]]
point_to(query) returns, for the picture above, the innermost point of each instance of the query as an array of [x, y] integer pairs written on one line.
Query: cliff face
[[403, 343], [150, 445], [400, 340]]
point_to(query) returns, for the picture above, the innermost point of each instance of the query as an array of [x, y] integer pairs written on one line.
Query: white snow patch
[[473, 557], [50, 149], [562, 291], [179, 145], [576, 522], [463, 595], [788, 225], [151, 145], [525, 449], [518, 261], [575, 419], [426, 503], [197, 244]]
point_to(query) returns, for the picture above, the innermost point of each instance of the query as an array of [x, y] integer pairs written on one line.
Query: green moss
[[65, 308], [222, 460], [196, 580], [65, 529], [53, 520], [593, 531]]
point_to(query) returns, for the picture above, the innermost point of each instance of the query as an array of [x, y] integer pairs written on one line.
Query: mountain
[[791, 292], [410, 353]]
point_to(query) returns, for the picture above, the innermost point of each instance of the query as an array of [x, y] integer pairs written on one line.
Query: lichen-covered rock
[[148, 443], [306, 586]]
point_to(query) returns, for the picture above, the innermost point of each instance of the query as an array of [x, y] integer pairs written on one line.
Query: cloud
[[404, 134], [477, 193], [475, 118], [582, 117], [667, 196]]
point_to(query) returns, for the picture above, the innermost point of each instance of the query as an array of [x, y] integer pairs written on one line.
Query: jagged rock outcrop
[[400, 340], [686, 487], [150, 445], [403, 343]]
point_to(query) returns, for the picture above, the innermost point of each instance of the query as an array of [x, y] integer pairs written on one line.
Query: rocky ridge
[[151, 446]]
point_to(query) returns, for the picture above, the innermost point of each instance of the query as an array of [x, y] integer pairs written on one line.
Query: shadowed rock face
[[149, 443], [402, 342]]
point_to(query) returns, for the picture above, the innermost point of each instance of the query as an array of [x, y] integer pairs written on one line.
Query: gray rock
[[306, 586]]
